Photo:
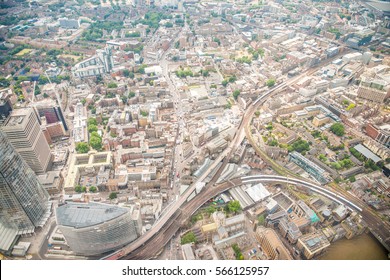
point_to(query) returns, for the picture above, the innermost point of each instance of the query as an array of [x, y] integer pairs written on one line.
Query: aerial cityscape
[[194, 130]]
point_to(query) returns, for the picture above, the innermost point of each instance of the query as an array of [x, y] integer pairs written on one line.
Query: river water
[[363, 247]]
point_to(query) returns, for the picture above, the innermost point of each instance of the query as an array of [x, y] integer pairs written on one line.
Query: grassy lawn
[[74, 57], [23, 52]]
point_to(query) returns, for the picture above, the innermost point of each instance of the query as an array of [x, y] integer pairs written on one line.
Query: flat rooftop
[[284, 201], [17, 117]]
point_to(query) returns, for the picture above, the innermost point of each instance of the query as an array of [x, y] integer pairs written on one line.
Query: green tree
[[356, 154], [336, 165], [92, 121], [113, 195], [322, 157], [126, 73], [270, 82], [273, 142], [183, 73], [211, 209], [144, 113], [92, 189], [244, 59], [350, 106], [261, 220], [95, 142], [4, 82], [224, 83], [371, 165], [352, 179], [300, 146], [338, 129], [92, 128], [141, 69], [236, 93], [124, 99], [133, 34], [131, 94], [228, 105], [188, 238], [237, 252], [233, 206], [78, 189], [82, 147], [205, 73], [232, 79], [316, 134], [112, 85]]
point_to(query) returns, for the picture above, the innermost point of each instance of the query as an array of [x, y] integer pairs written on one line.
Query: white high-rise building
[[23, 130], [96, 65]]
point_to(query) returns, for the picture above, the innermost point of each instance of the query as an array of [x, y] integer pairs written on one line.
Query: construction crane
[[57, 95]]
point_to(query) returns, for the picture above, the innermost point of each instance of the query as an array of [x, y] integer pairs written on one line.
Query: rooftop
[[367, 153], [17, 117], [314, 241], [81, 215], [258, 192]]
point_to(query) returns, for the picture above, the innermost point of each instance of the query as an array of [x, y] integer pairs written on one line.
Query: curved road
[[223, 157], [151, 248]]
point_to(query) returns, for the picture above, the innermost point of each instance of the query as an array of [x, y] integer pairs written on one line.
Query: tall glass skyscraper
[[24, 203]]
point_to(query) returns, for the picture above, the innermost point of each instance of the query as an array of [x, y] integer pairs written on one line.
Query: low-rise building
[[86, 164], [312, 244]]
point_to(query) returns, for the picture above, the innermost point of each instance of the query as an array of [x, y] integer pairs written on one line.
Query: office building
[[51, 181], [271, 244], [373, 90], [69, 23], [94, 228], [379, 133], [52, 114], [24, 204], [289, 230], [5, 109], [24, 132]]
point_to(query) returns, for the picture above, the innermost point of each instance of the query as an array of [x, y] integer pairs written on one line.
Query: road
[[379, 228], [151, 248], [238, 137], [164, 228]]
